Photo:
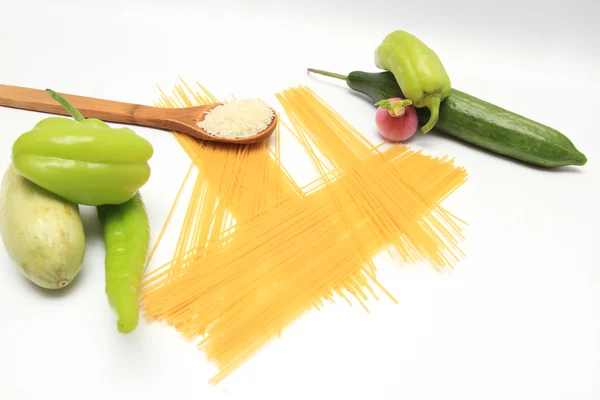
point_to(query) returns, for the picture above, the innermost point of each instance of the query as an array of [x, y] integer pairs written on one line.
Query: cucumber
[[478, 122]]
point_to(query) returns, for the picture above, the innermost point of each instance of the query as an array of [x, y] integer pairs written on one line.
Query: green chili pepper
[[126, 232], [418, 71], [84, 161]]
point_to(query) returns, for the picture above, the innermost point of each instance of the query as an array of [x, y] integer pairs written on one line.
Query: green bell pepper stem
[[68, 106], [432, 102]]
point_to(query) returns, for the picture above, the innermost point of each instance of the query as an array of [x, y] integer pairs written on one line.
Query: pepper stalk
[[68, 106]]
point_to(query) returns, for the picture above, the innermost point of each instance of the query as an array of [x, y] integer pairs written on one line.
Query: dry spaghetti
[[233, 182], [239, 285]]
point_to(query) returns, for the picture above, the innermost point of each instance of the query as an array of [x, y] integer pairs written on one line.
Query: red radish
[[396, 119]]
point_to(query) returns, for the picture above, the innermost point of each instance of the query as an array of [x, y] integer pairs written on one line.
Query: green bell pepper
[[418, 71], [84, 161]]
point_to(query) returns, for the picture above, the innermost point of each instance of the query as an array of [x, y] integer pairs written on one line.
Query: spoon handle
[[38, 100]]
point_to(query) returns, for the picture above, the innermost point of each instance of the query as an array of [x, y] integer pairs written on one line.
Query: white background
[[519, 318]]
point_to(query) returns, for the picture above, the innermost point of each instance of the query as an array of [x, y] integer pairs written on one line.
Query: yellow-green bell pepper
[[84, 161], [418, 71]]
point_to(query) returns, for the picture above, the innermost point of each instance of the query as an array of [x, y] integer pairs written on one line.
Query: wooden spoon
[[182, 120]]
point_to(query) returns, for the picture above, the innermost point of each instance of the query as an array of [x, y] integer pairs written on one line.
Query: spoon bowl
[[184, 120]]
